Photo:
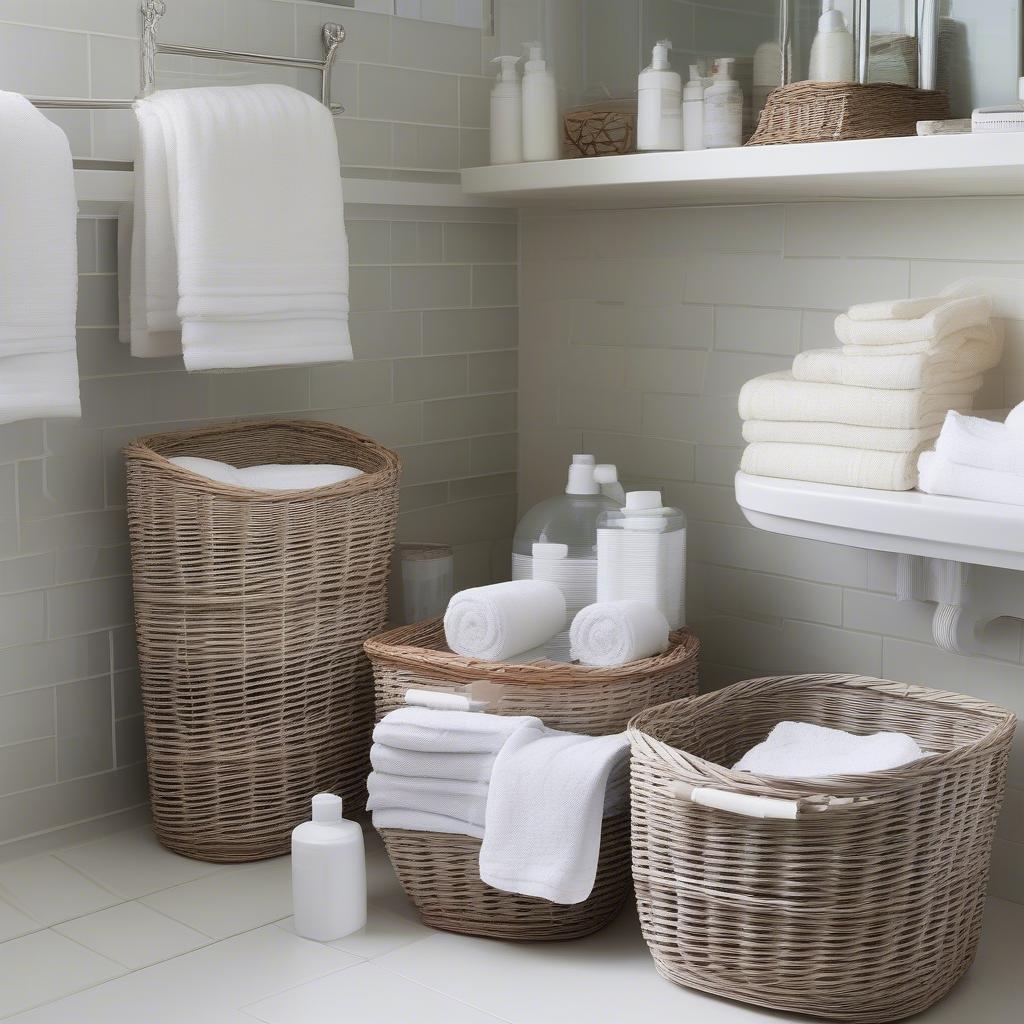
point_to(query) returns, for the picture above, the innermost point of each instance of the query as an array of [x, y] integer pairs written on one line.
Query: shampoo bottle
[[693, 110], [723, 109], [328, 873], [832, 49], [540, 107], [659, 123], [506, 114]]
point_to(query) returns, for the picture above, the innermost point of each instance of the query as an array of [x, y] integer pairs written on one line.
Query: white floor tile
[[231, 901], [134, 864], [14, 923], [367, 995], [133, 935], [43, 966], [50, 891], [384, 932]]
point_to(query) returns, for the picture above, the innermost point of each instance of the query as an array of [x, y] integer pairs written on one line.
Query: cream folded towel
[[38, 266], [899, 373], [940, 476], [988, 337], [423, 821], [946, 316], [613, 633], [447, 732], [825, 464], [842, 435], [913, 309], [777, 396], [431, 765], [454, 798], [985, 444]]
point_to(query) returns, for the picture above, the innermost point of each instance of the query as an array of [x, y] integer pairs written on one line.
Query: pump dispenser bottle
[[693, 110], [540, 107], [507, 113], [832, 49], [723, 109], [659, 123]]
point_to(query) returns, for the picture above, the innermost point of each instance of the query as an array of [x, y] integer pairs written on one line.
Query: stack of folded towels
[[861, 415]]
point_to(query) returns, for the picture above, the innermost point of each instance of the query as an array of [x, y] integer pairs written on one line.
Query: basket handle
[[737, 803]]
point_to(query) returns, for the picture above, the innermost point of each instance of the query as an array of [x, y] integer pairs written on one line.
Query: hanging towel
[[940, 476], [617, 632], [948, 316], [423, 821], [501, 621], [827, 464], [799, 750], [38, 266], [777, 396], [418, 764], [987, 336], [985, 444], [454, 798], [542, 835], [842, 435], [248, 250], [447, 732]]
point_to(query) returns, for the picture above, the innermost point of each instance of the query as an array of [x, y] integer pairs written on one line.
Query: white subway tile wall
[[637, 331]]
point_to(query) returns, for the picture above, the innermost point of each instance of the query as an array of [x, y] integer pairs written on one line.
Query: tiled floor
[[119, 931]]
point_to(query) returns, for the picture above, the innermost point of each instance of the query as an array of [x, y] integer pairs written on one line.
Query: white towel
[[777, 396], [1015, 422], [842, 435], [986, 444], [940, 476], [617, 632], [270, 477], [441, 700], [422, 821], [946, 316], [498, 622], [912, 309], [431, 765], [542, 835], [828, 464], [38, 266], [987, 337], [253, 223], [443, 732], [454, 798], [799, 750]]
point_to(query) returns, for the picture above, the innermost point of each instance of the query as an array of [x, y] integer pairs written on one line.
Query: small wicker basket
[[599, 133], [441, 873], [866, 906]]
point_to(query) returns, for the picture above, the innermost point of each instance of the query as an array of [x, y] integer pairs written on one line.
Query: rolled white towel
[[498, 622], [617, 632]]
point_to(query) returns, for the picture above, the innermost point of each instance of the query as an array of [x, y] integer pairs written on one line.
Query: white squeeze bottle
[[659, 124], [328, 873], [693, 110], [507, 114], [540, 107], [832, 49], [723, 109]]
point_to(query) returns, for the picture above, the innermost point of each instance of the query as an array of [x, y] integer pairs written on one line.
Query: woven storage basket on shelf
[[841, 111], [866, 907], [251, 609], [441, 873]]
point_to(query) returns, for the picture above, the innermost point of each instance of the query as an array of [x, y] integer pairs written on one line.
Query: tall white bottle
[[328, 873], [723, 109], [767, 73], [693, 110], [659, 123], [507, 114], [540, 108], [832, 49]]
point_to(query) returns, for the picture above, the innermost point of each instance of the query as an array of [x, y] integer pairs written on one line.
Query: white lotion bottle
[[723, 109], [693, 110], [540, 107], [659, 123], [767, 73], [832, 49], [328, 873], [507, 114]]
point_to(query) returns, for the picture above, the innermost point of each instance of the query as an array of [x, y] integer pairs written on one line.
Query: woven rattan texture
[[600, 133]]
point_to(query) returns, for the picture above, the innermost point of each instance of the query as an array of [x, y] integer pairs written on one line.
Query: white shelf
[[958, 165]]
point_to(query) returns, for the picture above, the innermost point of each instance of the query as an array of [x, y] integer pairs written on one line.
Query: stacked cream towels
[[861, 415]]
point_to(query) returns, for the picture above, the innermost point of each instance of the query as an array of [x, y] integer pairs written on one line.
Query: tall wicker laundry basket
[[855, 897], [251, 609]]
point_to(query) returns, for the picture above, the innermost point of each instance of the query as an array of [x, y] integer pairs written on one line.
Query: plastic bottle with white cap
[[507, 113], [541, 127], [328, 873], [723, 108], [659, 121], [832, 49]]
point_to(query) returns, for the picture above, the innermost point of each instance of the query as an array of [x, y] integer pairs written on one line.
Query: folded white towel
[[912, 309], [422, 821], [38, 266], [271, 477], [947, 316], [986, 444], [454, 798], [842, 435], [987, 337], [498, 622], [829, 464], [777, 396], [800, 750], [442, 732], [441, 700], [940, 476], [254, 216], [900, 373], [418, 764], [544, 813], [617, 632]]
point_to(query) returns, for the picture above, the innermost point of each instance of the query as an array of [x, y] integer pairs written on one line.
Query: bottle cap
[[327, 808], [659, 56], [831, 20], [643, 501], [534, 56], [722, 66], [606, 473], [581, 480], [583, 460], [507, 69]]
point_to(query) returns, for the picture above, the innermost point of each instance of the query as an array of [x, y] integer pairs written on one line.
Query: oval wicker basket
[[441, 873], [251, 609], [866, 907]]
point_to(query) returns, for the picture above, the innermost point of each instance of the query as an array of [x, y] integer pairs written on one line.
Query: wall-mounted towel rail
[[152, 11]]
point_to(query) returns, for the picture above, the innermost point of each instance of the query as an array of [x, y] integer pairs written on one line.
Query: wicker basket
[[441, 873], [599, 132], [836, 112], [867, 906], [250, 610]]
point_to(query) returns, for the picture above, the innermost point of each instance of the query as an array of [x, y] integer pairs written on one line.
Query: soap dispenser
[[723, 109], [659, 123], [832, 49], [693, 110], [507, 113], [328, 873], [540, 107]]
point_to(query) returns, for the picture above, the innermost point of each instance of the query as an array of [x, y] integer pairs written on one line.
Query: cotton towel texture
[[269, 477], [614, 633]]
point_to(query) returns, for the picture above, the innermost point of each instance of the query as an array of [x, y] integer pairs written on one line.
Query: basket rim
[[393, 648], [691, 768], [146, 450]]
